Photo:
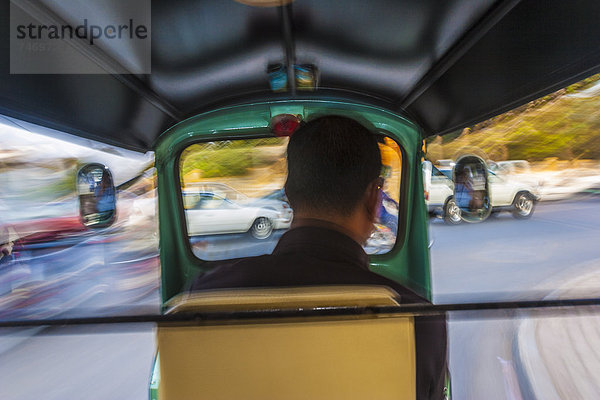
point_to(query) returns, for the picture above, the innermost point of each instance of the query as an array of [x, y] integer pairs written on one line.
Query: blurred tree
[[564, 124]]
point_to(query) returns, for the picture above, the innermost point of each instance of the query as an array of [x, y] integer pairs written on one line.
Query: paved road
[[499, 259], [569, 373], [91, 362], [102, 274], [507, 259], [504, 258]]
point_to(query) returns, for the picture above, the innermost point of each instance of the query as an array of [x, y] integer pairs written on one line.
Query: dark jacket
[[318, 256]]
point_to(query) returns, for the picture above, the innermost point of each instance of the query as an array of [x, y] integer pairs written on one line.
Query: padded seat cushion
[[247, 299]]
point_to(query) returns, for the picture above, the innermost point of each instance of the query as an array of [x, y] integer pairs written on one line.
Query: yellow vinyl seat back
[[366, 356]]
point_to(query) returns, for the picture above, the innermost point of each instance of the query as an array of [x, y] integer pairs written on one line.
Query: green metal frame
[[407, 262]]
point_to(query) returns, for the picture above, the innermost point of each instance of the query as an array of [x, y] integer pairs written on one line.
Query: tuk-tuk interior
[[410, 69], [406, 262]]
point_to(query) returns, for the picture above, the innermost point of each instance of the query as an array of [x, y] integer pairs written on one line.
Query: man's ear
[[372, 199]]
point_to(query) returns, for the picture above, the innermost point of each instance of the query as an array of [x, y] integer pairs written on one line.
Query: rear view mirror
[[427, 172], [97, 200], [471, 189]]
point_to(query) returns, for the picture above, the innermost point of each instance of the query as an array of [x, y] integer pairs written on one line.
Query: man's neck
[[320, 222]]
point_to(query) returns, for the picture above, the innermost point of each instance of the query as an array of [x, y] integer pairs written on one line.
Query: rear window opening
[[235, 204]]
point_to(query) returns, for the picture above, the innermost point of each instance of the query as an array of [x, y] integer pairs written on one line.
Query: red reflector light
[[284, 124]]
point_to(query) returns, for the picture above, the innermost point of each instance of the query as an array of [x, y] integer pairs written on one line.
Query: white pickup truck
[[508, 192]]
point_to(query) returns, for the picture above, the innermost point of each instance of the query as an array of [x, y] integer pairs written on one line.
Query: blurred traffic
[[52, 264], [78, 242], [235, 204], [515, 186]]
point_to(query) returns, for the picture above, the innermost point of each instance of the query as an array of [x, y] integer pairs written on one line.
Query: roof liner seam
[[102, 59], [460, 48], [139, 87]]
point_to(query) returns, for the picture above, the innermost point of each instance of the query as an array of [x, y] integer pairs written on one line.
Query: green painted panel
[[407, 262]]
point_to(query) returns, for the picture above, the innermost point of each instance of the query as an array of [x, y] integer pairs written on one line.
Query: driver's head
[[334, 165]]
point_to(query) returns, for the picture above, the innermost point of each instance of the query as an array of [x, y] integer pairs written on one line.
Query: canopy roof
[[447, 64]]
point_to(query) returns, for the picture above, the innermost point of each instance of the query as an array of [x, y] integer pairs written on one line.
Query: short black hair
[[331, 161]]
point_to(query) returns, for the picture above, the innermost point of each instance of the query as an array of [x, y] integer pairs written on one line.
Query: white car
[[507, 193], [511, 167], [214, 214]]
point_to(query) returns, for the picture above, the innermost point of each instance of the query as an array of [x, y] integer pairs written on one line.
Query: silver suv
[[507, 193]]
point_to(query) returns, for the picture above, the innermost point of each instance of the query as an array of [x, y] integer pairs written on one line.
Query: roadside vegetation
[[564, 125], [227, 158]]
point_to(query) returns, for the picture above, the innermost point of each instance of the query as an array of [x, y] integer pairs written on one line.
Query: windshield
[[235, 203]]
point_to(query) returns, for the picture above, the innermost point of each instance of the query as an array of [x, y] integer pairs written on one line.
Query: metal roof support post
[[285, 15]]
